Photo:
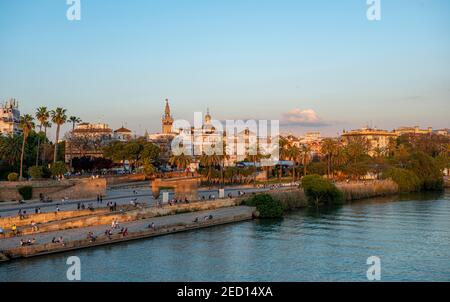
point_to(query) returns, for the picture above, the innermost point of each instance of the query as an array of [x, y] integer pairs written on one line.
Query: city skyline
[[314, 66]]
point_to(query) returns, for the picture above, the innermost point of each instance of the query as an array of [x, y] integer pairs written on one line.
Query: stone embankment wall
[[36, 250], [56, 190], [104, 217], [122, 179], [447, 181], [6, 222]]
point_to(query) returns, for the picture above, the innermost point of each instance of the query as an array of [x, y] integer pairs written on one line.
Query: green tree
[[319, 190], [406, 180], [74, 120], [10, 148], [266, 205], [428, 171], [42, 115], [59, 117], [27, 125], [305, 151], [58, 169], [181, 161]]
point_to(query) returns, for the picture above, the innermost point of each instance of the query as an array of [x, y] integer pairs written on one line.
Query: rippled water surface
[[410, 234]]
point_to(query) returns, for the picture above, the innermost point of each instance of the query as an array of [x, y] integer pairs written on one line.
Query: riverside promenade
[[77, 238]]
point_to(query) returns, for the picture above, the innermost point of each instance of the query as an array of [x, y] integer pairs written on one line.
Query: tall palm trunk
[[56, 144], [21, 157], [293, 172], [44, 153], [38, 145], [304, 166]]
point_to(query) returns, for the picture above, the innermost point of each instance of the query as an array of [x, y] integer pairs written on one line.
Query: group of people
[[210, 197], [60, 240], [207, 217], [115, 223], [152, 226], [112, 206], [22, 214], [34, 226], [175, 201], [99, 199], [27, 242]]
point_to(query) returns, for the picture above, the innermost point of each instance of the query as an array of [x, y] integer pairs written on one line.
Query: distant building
[[412, 130], [163, 140], [10, 118], [378, 139], [195, 141], [167, 120], [123, 134], [444, 132], [312, 139], [87, 140]]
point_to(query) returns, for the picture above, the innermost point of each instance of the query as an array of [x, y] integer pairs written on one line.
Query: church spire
[[167, 120]]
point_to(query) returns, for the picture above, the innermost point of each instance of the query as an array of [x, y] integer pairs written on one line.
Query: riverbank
[[138, 229]]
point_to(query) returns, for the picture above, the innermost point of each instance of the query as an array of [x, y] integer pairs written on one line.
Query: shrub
[[46, 173], [319, 190], [428, 171], [58, 168], [406, 180], [266, 206], [13, 176], [36, 172], [26, 192]]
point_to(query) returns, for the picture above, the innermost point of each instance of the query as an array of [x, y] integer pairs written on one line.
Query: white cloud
[[299, 117]]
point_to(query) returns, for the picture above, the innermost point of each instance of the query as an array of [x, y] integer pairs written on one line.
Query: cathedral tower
[[167, 120]]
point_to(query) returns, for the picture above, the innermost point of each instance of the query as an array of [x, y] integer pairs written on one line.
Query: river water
[[409, 234]]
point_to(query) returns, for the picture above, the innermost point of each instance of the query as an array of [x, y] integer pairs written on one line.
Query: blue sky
[[316, 65]]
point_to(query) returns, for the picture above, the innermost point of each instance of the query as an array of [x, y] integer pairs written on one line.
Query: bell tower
[[167, 120]]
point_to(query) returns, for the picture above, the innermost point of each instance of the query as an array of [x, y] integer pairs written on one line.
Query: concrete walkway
[[120, 196], [81, 233]]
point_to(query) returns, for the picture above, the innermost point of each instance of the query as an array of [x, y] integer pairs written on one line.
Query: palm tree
[[59, 118], [26, 124], [283, 153], [42, 115], [329, 149], [210, 161], [293, 154], [74, 120], [181, 161], [10, 148], [46, 125], [223, 157], [305, 151]]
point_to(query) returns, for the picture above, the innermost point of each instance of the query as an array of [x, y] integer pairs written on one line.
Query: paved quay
[[121, 196], [134, 226]]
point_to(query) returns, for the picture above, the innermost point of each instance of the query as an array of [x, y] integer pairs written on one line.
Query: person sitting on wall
[[34, 226], [14, 229]]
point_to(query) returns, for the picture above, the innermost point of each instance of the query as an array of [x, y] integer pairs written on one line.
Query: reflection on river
[[410, 234]]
